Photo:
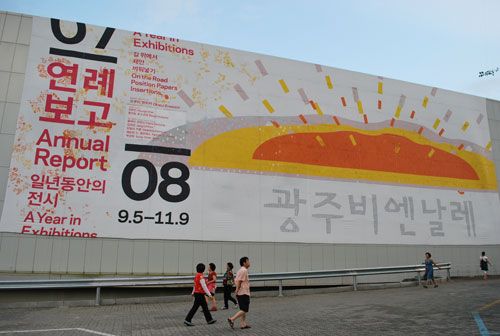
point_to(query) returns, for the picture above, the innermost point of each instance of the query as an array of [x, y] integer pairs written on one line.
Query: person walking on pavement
[[429, 270], [228, 282], [199, 291], [212, 285], [242, 294], [483, 263]]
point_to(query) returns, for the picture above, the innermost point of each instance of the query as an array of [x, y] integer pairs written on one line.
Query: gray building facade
[[105, 256]]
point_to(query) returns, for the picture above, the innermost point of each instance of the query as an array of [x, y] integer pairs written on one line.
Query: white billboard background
[[183, 109]]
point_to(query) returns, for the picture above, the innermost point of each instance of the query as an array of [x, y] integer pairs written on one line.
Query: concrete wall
[[32, 254]]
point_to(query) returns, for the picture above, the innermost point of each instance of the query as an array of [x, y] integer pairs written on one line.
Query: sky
[[441, 43]]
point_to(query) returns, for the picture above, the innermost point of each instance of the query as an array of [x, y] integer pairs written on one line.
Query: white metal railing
[[99, 283]]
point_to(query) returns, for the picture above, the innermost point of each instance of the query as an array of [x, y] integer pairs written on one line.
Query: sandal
[[246, 327], [231, 323]]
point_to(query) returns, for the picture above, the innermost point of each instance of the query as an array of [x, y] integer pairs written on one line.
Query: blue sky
[[443, 43]]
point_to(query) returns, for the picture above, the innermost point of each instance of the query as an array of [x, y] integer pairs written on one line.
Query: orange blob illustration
[[384, 152]]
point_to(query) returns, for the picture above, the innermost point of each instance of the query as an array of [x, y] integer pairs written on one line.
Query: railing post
[[280, 288], [448, 276], [354, 282], [419, 279], [98, 296]]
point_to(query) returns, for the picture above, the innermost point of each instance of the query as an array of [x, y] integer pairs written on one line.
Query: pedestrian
[[483, 263], [228, 282], [429, 270], [242, 294], [212, 285], [199, 291]]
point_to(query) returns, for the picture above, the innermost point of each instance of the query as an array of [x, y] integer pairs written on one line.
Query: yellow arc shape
[[235, 149]]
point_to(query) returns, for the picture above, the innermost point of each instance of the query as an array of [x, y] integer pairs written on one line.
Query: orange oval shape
[[385, 153]]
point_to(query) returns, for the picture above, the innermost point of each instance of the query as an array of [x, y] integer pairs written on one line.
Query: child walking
[[228, 282], [212, 285], [429, 270], [199, 291]]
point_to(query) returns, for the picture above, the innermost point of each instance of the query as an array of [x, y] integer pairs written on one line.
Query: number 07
[[81, 31]]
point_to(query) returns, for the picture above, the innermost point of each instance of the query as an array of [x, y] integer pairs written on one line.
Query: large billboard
[[131, 135]]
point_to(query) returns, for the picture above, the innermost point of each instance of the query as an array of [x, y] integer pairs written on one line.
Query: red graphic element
[[58, 108], [441, 131], [336, 120], [63, 75], [379, 104], [412, 159], [70, 72], [67, 183], [412, 115], [343, 101], [103, 81], [420, 130], [461, 192], [365, 118], [461, 147], [392, 122], [313, 104], [304, 120], [93, 121], [275, 123], [37, 198]]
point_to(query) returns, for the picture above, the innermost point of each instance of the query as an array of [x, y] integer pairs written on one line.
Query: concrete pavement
[[460, 307]]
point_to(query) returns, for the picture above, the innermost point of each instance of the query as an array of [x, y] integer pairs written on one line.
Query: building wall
[[38, 254]]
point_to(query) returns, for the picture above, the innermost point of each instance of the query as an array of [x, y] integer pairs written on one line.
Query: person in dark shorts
[[199, 291], [483, 263], [242, 294], [228, 282], [429, 270]]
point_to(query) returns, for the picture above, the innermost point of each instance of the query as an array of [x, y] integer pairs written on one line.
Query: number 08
[[153, 181]]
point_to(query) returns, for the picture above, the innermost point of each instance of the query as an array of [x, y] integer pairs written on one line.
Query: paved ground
[[447, 310]]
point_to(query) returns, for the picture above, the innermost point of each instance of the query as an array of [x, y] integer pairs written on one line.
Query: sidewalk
[[446, 310]]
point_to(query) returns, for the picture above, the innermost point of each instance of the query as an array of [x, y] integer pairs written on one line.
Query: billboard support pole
[[98, 296]]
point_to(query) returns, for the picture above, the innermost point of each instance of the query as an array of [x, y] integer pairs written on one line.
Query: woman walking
[[199, 291], [228, 282], [212, 285], [429, 270]]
